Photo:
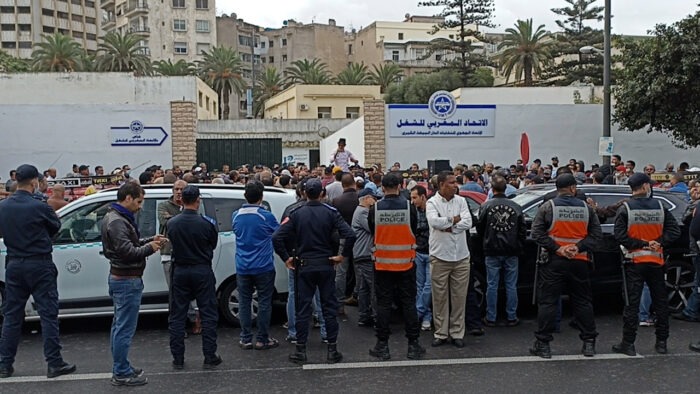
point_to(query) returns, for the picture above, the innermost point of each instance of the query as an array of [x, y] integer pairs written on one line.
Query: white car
[[83, 269]]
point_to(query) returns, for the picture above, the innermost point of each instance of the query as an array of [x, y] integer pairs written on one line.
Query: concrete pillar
[[375, 134], [183, 121]]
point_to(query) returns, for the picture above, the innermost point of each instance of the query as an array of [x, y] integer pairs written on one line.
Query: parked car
[[83, 270], [606, 276]]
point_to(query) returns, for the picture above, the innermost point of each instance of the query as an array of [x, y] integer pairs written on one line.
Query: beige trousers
[[450, 281]]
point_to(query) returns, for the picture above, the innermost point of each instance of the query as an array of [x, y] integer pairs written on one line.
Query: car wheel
[[229, 304], [679, 278]]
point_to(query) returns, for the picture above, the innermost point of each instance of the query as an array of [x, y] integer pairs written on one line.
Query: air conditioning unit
[[304, 107]]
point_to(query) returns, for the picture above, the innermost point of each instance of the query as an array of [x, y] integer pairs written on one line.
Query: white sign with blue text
[[136, 134], [441, 117]]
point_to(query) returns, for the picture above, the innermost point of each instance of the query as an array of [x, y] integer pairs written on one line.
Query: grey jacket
[[362, 250], [166, 211], [122, 246]]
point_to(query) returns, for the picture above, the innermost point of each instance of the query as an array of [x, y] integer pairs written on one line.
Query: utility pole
[[606, 77]]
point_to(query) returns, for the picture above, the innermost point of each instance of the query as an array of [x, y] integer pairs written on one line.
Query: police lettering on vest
[[569, 224], [394, 242], [645, 224]]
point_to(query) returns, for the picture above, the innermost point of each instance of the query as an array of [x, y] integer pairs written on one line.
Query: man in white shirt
[[449, 218], [342, 157]]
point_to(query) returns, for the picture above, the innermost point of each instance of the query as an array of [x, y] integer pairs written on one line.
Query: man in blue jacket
[[255, 267]]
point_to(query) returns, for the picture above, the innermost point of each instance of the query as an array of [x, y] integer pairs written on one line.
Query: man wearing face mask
[[644, 227]]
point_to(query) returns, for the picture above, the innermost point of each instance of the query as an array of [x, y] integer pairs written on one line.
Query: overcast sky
[[632, 17]]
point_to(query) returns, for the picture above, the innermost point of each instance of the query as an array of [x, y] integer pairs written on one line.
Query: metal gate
[[236, 152]]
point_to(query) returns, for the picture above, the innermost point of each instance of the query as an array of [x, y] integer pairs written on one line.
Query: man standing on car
[[126, 251], [569, 230], [502, 227], [255, 265], [28, 225], [194, 239], [310, 228], [644, 227]]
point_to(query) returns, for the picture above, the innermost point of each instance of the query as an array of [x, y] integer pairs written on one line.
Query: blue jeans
[[692, 310], [645, 304], [38, 278], [265, 285], [424, 299], [291, 306], [126, 296], [494, 264]]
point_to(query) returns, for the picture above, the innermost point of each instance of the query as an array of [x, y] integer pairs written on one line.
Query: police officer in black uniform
[[310, 227], [194, 239], [28, 224]]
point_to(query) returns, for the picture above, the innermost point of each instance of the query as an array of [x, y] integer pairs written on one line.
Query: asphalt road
[[497, 362]]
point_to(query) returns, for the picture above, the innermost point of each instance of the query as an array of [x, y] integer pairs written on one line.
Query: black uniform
[[28, 225], [310, 228], [194, 239]]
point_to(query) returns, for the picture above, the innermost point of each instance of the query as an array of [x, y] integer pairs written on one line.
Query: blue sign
[[136, 134], [442, 105]]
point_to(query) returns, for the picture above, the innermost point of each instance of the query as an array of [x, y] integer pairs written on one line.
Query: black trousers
[[402, 283], [554, 277], [473, 309], [192, 282], [308, 279], [637, 275]]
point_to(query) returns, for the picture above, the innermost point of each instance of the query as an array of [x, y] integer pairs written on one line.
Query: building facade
[[320, 102], [171, 29], [23, 22]]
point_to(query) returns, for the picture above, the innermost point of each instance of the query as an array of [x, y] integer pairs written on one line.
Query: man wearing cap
[[309, 228], [362, 259], [341, 157], [193, 239], [644, 227], [569, 230], [28, 225]]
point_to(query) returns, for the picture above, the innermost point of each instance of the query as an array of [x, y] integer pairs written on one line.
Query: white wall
[[567, 131], [354, 134], [522, 95], [63, 135]]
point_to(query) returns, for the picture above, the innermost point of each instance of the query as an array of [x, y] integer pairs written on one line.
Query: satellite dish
[[285, 22], [323, 131]]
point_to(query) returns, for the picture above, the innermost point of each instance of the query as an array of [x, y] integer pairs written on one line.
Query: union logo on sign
[[442, 105]]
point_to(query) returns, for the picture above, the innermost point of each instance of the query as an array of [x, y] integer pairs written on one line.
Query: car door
[[155, 288]]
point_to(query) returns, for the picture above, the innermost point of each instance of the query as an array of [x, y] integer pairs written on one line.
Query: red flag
[[524, 148]]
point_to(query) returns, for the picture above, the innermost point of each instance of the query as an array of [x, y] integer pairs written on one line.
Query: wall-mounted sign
[[136, 134], [441, 117]]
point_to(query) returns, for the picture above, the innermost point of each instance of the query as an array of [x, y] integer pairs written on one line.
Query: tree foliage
[[525, 51], [57, 52], [11, 64], [354, 74], [460, 54], [221, 69], [122, 52], [385, 74], [659, 88], [417, 89], [267, 84], [314, 72], [180, 67]]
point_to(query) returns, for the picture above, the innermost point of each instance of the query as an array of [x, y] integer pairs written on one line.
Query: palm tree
[[57, 53], [11, 64], [354, 74], [122, 52], [268, 84], [221, 69], [525, 51], [386, 74], [307, 72], [168, 68]]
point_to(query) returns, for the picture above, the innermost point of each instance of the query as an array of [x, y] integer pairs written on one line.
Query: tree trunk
[[528, 73], [225, 95]]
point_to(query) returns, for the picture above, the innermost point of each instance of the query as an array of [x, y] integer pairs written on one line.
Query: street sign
[[606, 146], [136, 134]]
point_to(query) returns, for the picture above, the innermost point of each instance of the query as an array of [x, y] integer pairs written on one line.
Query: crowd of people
[[402, 233]]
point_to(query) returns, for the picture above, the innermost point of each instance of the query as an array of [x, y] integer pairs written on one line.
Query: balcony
[[141, 30], [107, 4], [108, 22], [144, 50], [136, 7]]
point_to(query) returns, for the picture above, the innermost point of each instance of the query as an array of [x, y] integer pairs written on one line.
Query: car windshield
[[526, 196]]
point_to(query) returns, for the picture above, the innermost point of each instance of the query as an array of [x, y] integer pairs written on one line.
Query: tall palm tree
[[314, 72], [221, 69], [354, 74], [267, 84], [122, 52], [168, 68], [526, 51], [386, 74], [56, 53]]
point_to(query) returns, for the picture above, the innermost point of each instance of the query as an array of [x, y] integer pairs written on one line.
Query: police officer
[[28, 225], [644, 227], [393, 221], [568, 230], [310, 227], [194, 239]]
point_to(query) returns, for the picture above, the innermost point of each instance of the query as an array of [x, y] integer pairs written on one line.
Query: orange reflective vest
[[647, 225], [394, 242], [569, 224]]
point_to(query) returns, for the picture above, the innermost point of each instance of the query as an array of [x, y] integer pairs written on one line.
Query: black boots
[[541, 349], [625, 348], [334, 356], [415, 350], [588, 349], [380, 350], [299, 356]]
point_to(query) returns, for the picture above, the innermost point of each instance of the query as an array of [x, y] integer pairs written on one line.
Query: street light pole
[[606, 77]]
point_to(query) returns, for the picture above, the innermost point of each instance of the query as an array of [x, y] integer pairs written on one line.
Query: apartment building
[[171, 29], [23, 22]]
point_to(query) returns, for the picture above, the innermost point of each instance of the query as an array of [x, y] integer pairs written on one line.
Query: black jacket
[[27, 225], [122, 246], [193, 237], [501, 224], [346, 204]]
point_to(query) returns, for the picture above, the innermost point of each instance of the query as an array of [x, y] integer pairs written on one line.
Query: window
[[284, 58], [25, 45], [202, 26], [91, 36], [179, 25], [146, 218], [200, 100], [324, 112], [207, 103], [180, 48], [272, 59], [202, 4], [263, 59], [82, 225], [223, 209], [7, 10], [77, 34], [395, 56], [262, 44], [76, 18], [89, 20], [48, 29], [44, 11], [272, 43], [242, 105], [23, 10], [9, 45], [438, 57], [400, 36], [284, 42], [245, 41], [352, 112], [452, 36], [62, 15], [178, 3], [7, 27], [202, 47], [350, 49]]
